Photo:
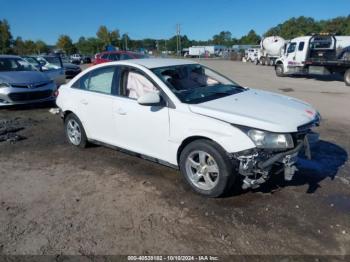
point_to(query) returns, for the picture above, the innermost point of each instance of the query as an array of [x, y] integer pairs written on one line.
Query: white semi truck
[[316, 55], [270, 50], [251, 54]]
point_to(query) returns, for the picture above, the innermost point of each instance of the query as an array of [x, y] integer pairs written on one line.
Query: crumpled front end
[[256, 165]]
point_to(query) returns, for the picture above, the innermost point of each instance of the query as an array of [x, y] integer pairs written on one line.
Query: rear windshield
[[321, 42]]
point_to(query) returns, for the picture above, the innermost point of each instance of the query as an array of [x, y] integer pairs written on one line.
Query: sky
[[199, 19]]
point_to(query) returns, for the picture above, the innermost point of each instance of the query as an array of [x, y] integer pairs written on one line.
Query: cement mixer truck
[[271, 48]]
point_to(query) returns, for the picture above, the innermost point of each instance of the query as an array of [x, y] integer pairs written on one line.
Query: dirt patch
[[57, 199], [9, 130]]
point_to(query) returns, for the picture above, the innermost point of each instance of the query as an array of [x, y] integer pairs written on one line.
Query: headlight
[[264, 139], [4, 84]]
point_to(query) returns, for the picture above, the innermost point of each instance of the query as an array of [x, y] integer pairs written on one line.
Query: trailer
[[198, 51], [316, 55]]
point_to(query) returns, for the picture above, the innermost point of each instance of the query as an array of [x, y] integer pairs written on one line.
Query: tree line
[[104, 37], [302, 25]]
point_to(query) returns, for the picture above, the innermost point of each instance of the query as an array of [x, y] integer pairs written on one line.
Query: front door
[[141, 129], [291, 52]]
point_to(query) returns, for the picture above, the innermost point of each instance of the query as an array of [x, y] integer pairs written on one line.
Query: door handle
[[84, 102], [121, 111]]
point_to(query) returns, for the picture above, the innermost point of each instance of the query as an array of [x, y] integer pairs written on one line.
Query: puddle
[[286, 90], [327, 158], [332, 93]]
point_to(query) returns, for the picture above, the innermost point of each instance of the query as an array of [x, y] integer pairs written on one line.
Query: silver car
[[52, 66], [21, 83]]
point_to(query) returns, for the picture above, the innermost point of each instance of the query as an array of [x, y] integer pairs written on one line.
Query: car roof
[[118, 52], [9, 56], [159, 62]]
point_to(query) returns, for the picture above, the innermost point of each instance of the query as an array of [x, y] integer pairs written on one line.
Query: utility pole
[[126, 41], [178, 40]]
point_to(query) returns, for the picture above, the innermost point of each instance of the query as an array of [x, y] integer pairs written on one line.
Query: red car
[[110, 56]]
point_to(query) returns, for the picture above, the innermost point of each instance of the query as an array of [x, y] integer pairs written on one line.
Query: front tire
[[207, 168], [75, 132], [347, 77], [279, 70]]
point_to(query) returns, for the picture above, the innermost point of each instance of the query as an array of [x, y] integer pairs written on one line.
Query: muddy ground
[[56, 199]]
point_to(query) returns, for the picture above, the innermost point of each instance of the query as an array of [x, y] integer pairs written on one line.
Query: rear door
[[96, 97]]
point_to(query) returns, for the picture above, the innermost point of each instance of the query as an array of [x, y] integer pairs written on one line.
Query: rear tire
[[74, 131], [347, 77], [207, 168], [279, 70]]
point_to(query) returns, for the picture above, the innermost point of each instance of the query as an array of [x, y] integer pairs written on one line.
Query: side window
[[113, 57], [135, 84], [101, 80], [291, 48], [104, 56], [82, 82], [125, 57], [301, 46]]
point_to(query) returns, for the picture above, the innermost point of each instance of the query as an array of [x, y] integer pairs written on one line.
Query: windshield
[[15, 64], [46, 65], [31, 60], [194, 83], [54, 60]]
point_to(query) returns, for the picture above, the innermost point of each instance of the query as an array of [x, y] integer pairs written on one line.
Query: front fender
[[184, 125]]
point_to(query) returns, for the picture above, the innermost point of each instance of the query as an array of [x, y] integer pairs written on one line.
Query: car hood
[[70, 66], [259, 109], [23, 77]]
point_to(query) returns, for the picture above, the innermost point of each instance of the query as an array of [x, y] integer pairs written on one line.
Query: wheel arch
[[278, 62], [191, 139], [66, 113]]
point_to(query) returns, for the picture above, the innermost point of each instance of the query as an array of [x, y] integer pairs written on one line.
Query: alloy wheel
[[73, 132], [202, 170]]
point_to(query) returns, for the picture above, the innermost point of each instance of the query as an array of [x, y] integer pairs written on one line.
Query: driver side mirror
[[150, 99]]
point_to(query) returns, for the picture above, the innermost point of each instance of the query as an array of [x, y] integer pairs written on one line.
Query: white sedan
[[182, 114]]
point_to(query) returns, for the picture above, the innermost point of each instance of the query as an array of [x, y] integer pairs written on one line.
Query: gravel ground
[[56, 199]]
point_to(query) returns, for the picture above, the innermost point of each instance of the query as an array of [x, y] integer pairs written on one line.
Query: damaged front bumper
[[256, 165]]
